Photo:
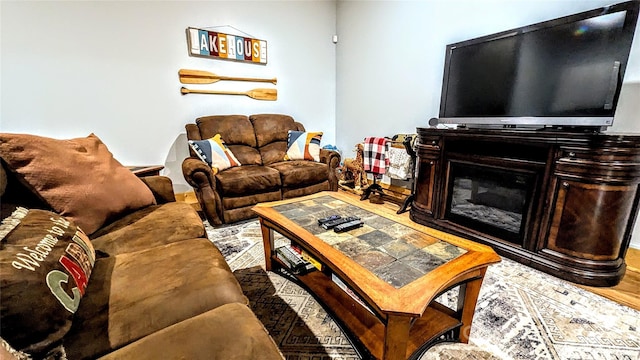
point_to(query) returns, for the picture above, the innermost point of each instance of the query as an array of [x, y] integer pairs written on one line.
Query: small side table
[[146, 170]]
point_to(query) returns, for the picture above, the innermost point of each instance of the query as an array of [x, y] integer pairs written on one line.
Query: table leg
[[467, 299], [268, 240], [396, 337]]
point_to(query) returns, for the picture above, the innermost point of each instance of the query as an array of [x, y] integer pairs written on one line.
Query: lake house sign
[[218, 45]]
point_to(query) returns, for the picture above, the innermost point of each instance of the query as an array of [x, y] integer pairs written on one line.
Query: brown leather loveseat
[[97, 263], [259, 143]]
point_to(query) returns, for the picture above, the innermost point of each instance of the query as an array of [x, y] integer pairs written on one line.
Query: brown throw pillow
[[79, 178], [45, 264]]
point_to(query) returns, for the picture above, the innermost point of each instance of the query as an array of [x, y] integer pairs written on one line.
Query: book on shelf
[[296, 248], [349, 292], [294, 261], [306, 256]]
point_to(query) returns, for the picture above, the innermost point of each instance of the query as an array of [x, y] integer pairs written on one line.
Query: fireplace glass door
[[490, 199]]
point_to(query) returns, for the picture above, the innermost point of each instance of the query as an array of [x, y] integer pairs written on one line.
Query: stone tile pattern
[[394, 252]]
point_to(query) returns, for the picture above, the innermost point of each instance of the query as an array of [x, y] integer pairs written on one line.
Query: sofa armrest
[[202, 178], [197, 173], [161, 187], [330, 157]]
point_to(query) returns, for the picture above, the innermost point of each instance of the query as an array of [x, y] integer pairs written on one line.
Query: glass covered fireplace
[[490, 199]]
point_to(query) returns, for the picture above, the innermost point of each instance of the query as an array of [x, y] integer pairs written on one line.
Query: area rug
[[522, 313]]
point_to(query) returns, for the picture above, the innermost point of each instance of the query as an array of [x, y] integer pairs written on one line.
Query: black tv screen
[[562, 72]]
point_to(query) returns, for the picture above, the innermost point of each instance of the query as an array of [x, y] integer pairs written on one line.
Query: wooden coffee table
[[380, 280]]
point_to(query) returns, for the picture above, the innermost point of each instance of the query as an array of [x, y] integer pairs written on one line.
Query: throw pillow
[[45, 265], [303, 145], [79, 178], [214, 152]]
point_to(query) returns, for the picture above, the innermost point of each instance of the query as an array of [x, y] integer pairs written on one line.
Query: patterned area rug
[[521, 313]]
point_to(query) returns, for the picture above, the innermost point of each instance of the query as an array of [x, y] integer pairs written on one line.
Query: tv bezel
[[598, 123]]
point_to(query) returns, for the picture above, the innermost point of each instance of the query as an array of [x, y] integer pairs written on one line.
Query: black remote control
[[348, 226], [331, 224], [328, 218]]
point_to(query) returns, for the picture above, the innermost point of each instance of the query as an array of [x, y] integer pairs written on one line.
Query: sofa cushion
[[149, 227], [273, 152], [241, 207], [139, 293], [214, 152], [303, 145], [247, 179], [289, 193], [230, 331], [45, 264], [79, 178], [237, 132], [271, 135], [271, 127], [299, 173]]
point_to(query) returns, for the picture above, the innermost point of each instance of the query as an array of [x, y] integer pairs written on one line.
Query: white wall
[[390, 59], [72, 68]]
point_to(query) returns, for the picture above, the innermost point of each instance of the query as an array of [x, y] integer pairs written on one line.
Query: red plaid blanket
[[375, 155]]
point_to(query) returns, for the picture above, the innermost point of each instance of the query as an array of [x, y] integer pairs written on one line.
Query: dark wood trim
[[582, 206]]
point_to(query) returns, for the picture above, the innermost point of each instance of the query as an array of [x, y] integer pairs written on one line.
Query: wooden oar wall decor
[[258, 94], [188, 76]]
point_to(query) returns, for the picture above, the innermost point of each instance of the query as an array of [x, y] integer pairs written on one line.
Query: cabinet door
[[425, 185], [590, 221], [426, 194]]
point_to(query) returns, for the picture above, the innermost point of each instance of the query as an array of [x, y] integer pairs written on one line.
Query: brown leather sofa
[[259, 142], [157, 289]]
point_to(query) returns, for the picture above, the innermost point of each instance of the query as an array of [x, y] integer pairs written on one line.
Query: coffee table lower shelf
[[367, 330]]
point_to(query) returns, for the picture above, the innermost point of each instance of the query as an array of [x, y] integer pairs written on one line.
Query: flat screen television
[[565, 72]]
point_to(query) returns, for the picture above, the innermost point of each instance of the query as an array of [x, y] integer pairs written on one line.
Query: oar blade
[[198, 80], [263, 94], [195, 73]]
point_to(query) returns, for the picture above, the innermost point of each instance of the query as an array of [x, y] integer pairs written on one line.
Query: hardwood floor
[[626, 293]]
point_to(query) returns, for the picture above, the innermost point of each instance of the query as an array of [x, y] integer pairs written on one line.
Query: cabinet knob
[[430, 162], [433, 142], [565, 184], [572, 154]]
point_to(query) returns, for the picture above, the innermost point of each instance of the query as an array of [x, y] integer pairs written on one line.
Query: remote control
[[328, 218], [348, 226], [331, 224]]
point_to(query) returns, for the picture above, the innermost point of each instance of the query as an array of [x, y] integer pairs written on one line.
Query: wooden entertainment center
[[561, 202]]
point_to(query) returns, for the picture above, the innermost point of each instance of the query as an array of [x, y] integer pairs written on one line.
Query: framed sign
[[217, 45]]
